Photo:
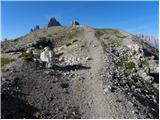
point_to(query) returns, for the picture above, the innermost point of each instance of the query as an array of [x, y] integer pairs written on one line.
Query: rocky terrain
[[93, 73]]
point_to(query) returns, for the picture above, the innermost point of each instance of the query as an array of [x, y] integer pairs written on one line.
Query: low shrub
[[127, 65], [27, 56], [68, 44], [144, 62]]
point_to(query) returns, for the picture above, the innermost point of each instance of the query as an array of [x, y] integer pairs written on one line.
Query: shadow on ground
[[70, 67], [16, 108]]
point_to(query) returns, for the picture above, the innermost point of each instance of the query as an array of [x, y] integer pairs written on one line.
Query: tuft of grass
[[16, 40], [27, 56], [145, 62], [71, 37], [130, 65], [5, 61], [127, 65], [50, 35]]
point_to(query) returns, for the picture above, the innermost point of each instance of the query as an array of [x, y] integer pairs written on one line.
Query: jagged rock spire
[[36, 28], [74, 23], [53, 22]]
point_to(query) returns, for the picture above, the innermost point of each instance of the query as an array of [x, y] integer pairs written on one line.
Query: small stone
[[94, 45], [88, 58], [130, 103]]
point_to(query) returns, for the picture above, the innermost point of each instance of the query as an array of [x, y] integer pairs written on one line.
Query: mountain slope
[[97, 73]]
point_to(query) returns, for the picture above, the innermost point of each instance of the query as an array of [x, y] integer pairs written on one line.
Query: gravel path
[[100, 105]]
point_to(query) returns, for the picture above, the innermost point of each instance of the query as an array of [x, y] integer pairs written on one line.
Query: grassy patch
[[27, 56], [71, 37], [127, 65], [130, 65], [5, 61], [16, 40], [50, 35]]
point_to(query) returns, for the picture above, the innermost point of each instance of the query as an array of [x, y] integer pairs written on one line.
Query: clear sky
[[134, 17]]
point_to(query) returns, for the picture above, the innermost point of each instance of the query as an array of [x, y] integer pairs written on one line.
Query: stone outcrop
[[52, 22], [35, 28], [74, 23], [31, 30]]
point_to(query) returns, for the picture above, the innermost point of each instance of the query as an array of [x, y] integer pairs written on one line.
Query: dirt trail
[[99, 105]]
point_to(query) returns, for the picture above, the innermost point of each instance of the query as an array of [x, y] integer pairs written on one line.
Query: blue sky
[[134, 17]]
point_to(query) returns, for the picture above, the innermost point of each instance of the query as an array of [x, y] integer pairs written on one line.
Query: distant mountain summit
[[52, 22], [75, 23], [35, 28]]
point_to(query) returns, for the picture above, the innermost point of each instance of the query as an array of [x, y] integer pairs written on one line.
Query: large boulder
[[53, 22], [153, 66], [47, 56], [145, 76]]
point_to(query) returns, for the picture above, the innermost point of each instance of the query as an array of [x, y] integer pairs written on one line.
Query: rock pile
[[133, 72]]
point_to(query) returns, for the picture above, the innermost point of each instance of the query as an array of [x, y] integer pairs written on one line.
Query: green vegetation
[[130, 65], [5, 61], [71, 42], [16, 40], [110, 34], [144, 62], [27, 56], [100, 32], [72, 37], [49, 35], [127, 65], [128, 83]]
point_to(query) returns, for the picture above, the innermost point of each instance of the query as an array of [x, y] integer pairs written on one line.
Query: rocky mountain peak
[[35, 28], [75, 23], [53, 22]]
